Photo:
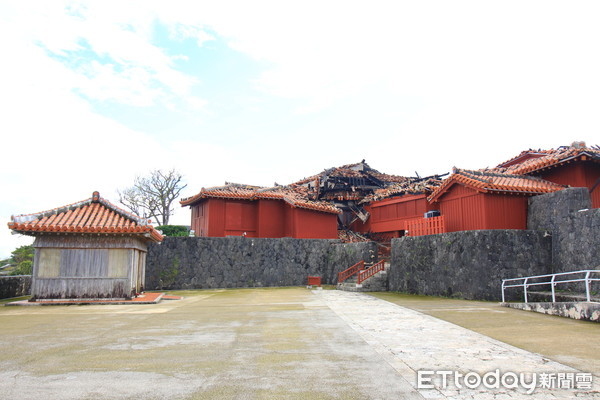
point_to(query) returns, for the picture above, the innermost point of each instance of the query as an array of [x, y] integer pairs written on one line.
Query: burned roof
[[410, 186], [360, 183], [358, 171]]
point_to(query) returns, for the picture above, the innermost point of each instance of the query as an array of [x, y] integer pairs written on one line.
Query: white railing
[[528, 281]]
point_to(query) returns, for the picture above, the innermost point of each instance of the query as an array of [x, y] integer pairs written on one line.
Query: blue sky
[[95, 93]]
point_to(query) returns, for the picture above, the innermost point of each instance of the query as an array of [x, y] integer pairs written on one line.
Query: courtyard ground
[[570, 342], [276, 343]]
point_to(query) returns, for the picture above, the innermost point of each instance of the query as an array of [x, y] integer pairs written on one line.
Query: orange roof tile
[[94, 215], [293, 196], [550, 158], [496, 182], [523, 156]]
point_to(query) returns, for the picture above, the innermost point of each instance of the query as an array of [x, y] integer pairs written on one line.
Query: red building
[[356, 198], [237, 210], [392, 209], [472, 200], [389, 216], [575, 166]]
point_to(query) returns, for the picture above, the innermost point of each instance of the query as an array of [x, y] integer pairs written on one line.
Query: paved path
[[411, 341], [249, 344]]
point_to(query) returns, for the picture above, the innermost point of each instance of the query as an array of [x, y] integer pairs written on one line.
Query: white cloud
[[406, 85], [109, 46]]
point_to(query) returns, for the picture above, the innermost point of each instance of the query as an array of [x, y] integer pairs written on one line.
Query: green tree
[[22, 259]]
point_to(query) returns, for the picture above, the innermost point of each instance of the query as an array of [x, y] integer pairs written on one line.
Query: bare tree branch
[[152, 196]]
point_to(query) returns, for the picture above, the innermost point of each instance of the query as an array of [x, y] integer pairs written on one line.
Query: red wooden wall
[[505, 211], [240, 216], [467, 209], [271, 213], [390, 215], [314, 225], [260, 218], [577, 174], [200, 218]]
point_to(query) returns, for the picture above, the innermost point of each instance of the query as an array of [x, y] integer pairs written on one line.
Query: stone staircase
[[376, 283]]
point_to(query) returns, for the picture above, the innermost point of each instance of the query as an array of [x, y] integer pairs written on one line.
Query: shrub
[[173, 230]]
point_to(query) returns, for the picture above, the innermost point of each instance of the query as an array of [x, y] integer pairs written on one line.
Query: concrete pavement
[[277, 343], [411, 341]]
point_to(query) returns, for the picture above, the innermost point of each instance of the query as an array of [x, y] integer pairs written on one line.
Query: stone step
[[376, 283]]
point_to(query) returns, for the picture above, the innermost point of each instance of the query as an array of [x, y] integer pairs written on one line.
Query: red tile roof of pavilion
[[495, 182], [545, 159], [294, 196], [93, 215]]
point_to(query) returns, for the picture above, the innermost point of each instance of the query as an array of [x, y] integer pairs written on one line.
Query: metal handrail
[[369, 272], [552, 282]]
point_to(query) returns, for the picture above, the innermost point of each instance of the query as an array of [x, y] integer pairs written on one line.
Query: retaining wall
[[15, 286], [233, 262], [575, 233], [469, 264], [576, 310]]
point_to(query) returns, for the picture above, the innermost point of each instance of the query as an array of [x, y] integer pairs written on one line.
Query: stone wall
[[469, 264], [576, 310], [201, 262], [14, 286], [575, 233]]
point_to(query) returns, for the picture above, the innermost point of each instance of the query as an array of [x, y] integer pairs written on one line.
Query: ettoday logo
[[507, 380]]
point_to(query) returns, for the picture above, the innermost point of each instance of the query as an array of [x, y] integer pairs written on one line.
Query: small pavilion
[[91, 249]]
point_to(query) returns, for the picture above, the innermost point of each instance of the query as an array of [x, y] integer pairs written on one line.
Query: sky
[[95, 93]]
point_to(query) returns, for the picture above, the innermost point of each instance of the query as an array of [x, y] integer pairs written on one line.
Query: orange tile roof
[[293, 196], [93, 215], [523, 156], [496, 182], [550, 158]]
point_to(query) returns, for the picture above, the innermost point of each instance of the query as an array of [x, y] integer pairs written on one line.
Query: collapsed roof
[[345, 189], [361, 183], [340, 190], [410, 186]]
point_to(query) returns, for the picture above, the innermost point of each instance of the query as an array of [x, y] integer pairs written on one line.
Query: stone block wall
[[233, 262], [469, 264], [575, 228], [15, 286]]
